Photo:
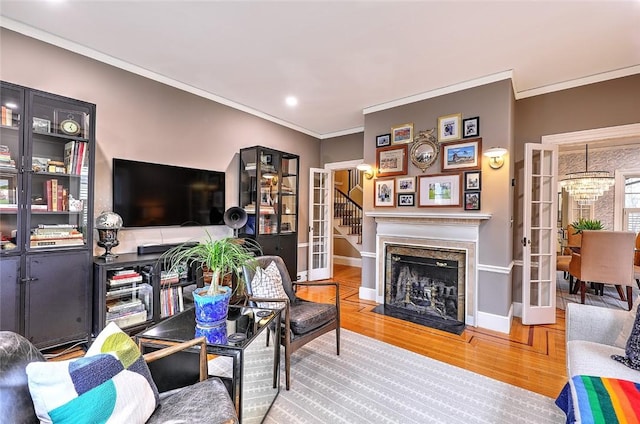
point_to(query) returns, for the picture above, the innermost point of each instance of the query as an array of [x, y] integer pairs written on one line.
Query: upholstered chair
[[606, 257], [203, 400], [303, 320], [562, 261]]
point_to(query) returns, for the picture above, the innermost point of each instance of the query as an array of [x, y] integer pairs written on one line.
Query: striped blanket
[[604, 400]]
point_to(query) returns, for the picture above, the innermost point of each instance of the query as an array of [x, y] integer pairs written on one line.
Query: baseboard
[[347, 260], [367, 294], [302, 276], [495, 322]]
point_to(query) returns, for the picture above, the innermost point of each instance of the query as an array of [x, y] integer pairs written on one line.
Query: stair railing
[[349, 213]]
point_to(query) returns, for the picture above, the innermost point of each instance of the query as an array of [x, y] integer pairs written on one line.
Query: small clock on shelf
[[69, 122]]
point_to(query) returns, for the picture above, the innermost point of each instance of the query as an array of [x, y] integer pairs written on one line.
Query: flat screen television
[[151, 194]]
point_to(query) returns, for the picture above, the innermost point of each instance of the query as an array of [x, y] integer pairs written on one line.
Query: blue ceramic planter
[[211, 309]]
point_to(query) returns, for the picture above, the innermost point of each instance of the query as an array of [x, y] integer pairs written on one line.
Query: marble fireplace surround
[[453, 231]]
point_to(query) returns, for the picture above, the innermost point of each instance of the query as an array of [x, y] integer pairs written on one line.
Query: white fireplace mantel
[[448, 230]]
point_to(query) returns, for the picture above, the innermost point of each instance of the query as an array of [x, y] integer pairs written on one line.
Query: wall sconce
[[366, 169], [496, 156]]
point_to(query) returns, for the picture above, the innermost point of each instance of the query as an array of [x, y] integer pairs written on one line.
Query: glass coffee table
[[247, 364]]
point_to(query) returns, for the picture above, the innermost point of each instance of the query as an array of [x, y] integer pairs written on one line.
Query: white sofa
[[592, 337]]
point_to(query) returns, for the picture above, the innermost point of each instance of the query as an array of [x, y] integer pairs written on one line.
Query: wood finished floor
[[531, 357]]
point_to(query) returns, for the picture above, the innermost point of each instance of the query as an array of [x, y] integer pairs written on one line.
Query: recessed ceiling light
[[291, 101]]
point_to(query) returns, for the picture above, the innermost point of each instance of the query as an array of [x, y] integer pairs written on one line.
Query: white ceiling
[[341, 58]]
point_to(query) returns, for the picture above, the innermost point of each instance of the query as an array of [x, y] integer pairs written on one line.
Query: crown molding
[[591, 79], [110, 60], [476, 82]]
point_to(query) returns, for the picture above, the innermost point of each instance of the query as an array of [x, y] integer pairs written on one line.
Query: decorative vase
[[211, 308], [211, 314]]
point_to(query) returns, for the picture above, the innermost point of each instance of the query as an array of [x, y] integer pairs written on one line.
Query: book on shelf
[[116, 305], [171, 301], [140, 289], [130, 319], [124, 281]]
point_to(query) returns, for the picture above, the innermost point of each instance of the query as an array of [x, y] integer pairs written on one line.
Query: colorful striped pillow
[[110, 384]]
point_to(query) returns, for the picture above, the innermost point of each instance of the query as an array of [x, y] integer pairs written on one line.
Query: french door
[[540, 208], [320, 228]]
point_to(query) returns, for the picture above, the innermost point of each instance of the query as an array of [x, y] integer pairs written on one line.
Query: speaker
[[235, 217]]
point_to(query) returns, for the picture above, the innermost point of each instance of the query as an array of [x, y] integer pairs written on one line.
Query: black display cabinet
[[47, 145], [269, 195]]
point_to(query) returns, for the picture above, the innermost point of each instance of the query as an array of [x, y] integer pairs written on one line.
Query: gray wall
[[343, 148], [141, 119], [605, 104], [494, 104]]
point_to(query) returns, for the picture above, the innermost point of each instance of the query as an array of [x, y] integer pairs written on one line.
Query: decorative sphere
[[108, 220]]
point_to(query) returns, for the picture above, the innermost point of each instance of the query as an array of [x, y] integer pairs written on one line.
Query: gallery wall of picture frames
[[455, 143]]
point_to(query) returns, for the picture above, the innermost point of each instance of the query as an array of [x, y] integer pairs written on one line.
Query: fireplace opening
[[425, 286]]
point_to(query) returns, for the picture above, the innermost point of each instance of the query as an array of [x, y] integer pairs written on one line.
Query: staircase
[[347, 218]]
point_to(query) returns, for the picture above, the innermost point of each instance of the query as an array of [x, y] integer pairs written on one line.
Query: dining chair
[[605, 257], [304, 320], [562, 261]]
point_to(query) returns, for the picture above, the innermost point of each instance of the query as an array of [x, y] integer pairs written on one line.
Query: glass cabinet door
[[288, 194], [12, 100], [58, 173]]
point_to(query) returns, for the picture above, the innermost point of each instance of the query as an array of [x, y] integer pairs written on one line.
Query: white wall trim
[[476, 82], [368, 254], [367, 294], [496, 269], [347, 260], [598, 134], [495, 322], [346, 164], [343, 132], [591, 79]]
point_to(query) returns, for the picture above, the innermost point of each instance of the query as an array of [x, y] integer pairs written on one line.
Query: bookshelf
[[47, 145], [135, 292], [269, 195]]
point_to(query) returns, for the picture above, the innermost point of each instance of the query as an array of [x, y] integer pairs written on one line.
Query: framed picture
[[41, 125], [462, 155], [384, 193], [402, 134], [391, 160], [449, 127], [472, 201], [407, 199], [472, 181], [440, 190], [383, 140], [406, 184], [471, 127]]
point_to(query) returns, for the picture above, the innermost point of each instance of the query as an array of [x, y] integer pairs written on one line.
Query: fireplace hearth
[[425, 286]]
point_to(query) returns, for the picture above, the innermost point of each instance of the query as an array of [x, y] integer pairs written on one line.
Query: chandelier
[[586, 187]]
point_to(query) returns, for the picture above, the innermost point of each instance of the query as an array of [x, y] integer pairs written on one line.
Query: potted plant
[[586, 224], [224, 256]]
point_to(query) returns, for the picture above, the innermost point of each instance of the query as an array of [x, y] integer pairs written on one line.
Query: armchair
[[606, 257], [303, 320], [206, 400]]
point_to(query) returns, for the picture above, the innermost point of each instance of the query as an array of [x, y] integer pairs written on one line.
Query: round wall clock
[[70, 127]]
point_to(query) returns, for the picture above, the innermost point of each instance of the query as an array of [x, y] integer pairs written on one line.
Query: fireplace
[[425, 261]]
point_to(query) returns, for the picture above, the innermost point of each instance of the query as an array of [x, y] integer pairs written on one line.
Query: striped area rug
[[375, 382]]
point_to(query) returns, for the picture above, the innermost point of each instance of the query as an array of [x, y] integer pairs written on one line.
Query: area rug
[[610, 299], [375, 382]]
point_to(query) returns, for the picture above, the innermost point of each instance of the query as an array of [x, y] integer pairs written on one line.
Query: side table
[[254, 380]]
